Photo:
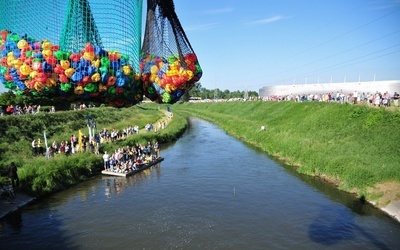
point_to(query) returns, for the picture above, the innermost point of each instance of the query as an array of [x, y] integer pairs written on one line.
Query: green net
[[79, 27], [76, 49], [114, 25]]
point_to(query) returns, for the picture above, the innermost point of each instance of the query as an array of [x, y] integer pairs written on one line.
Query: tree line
[[199, 91], [10, 98]]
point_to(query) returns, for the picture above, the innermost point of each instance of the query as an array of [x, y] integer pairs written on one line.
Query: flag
[[45, 143], [80, 140]]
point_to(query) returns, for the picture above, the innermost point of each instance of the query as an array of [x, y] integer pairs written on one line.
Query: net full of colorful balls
[[40, 68]]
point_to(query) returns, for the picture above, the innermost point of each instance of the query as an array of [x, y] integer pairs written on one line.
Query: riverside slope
[[354, 147]]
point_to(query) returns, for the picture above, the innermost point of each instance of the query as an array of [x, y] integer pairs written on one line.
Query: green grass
[[39, 176], [354, 147]]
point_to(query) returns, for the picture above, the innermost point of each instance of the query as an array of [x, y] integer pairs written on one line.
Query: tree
[[7, 98]]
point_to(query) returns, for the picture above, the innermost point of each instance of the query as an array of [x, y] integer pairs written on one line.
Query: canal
[[211, 192]]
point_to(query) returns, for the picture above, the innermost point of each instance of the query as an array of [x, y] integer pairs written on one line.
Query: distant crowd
[[92, 144], [377, 99], [72, 145], [34, 109], [19, 110]]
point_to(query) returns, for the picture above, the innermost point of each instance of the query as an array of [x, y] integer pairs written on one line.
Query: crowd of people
[[91, 143], [34, 109], [19, 110], [376, 99], [124, 160], [72, 145]]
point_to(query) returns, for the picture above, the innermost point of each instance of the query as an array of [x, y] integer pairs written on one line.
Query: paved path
[[393, 209], [8, 205]]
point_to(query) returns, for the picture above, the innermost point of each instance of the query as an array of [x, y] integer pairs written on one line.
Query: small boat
[[141, 168]]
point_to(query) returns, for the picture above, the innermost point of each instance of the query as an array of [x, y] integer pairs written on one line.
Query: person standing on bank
[[396, 98], [12, 171]]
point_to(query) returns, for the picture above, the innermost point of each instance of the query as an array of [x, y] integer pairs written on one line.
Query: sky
[[245, 45]]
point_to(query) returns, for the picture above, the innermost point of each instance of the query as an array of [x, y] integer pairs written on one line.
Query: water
[[211, 192]]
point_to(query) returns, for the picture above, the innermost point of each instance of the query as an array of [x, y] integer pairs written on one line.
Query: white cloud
[[269, 20]]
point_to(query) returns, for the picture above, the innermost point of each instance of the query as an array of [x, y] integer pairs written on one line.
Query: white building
[[323, 88]]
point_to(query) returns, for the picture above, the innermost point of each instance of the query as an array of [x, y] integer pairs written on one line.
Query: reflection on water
[[333, 225], [114, 186], [210, 192], [13, 221]]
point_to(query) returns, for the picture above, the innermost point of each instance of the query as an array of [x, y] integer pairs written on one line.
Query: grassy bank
[[354, 147], [39, 176]]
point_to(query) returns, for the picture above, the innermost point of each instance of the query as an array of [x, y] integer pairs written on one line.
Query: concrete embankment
[[9, 205], [393, 209]]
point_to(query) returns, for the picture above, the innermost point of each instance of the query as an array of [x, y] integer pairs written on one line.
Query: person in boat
[[156, 149], [106, 160], [148, 148], [138, 163], [131, 165]]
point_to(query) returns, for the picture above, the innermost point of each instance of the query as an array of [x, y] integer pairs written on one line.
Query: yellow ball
[[25, 69], [96, 63], [102, 88], [78, 90], [126, 69], [96, 77], [154, 69], [17, 63], [89, 56], [46, 45], [22, 44], [50, 82], [152, 77], [47, 52], [38, 86], [65, 64], [69, 72], [33, 74]]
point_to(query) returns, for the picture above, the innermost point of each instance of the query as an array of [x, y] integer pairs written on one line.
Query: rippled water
[[210, 192]]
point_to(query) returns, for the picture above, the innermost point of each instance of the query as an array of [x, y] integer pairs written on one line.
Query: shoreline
[[9, 206], [392, 208]]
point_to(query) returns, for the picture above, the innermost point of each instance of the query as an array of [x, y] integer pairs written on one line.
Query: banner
[[80, 140], [45, 143]]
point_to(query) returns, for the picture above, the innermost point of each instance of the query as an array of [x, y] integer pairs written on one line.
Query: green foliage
[[373, 119], [43, 176], [199, 91], [40, 176]]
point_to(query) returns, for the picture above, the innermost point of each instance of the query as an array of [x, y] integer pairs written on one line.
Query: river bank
[[237, 198], [44, 177], [295, 135], [41, 176], [9, 205], [346, 145]]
